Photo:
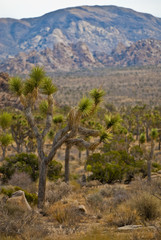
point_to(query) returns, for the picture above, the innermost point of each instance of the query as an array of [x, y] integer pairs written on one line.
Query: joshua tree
[[87, 107], [5, 137], [154, 136], [150, 157], [19, 131], [28, 92]]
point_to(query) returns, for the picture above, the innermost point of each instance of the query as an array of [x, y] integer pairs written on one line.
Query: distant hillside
[[141, 53], [101, 28], [77, 56]]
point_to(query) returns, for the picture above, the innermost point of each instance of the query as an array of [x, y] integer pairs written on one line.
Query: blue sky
[[34, 8]]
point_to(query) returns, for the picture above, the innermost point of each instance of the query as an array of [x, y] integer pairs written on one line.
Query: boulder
[[82, 209], [129, 227], [19, 201]]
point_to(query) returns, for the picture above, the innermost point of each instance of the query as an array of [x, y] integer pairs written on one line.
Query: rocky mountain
[[141, 53], [76, 56], [101, 28], [61, 57]]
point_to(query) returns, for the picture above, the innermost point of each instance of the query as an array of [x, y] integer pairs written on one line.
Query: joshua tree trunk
[[67, 158], [149, 170], [87, 153], [150, 160], [3, 153], [42, 184], [80, 156], [147, 134]]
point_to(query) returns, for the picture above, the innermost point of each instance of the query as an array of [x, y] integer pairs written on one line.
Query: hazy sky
[[34, 8]]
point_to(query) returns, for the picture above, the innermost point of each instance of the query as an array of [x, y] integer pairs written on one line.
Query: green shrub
[[28, 163], [114, 166], [54, 170], [156, 166], [22, 162]]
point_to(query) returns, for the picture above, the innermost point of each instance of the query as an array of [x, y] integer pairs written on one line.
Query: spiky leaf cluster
[[16, 86], [154, 133], [142, 138], [37, 75], [105, 136], [112, 120], [47, 87], [5, 120], [29, 86], [6, 139], [85, 106], [58, 119], [97, 95]]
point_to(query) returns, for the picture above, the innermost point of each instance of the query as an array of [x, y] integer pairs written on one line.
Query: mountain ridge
[[77, 56], [101, 28]]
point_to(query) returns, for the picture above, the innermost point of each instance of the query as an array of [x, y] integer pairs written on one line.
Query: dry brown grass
[[108, 207]]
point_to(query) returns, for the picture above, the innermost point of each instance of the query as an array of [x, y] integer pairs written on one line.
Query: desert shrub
[[106, 191], [147, 206], [94, 200], [22, 162], [156, 187], [31, 197], [54, 170], [122, 216], [20, 225], [67, 214], [97, 203], [56, 191], [114, 166], [20, 179], [156, 166], [28, 163], [119, 196]]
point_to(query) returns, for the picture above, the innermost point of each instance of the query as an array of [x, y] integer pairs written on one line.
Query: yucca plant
[[112, 121], [5, 120], [16, 86], [29, 86], [5, 141], [37, 75], [105, 136], [85, 106], [47, 87], [154, 136], [58, 119], [142, 138], [97, 95]]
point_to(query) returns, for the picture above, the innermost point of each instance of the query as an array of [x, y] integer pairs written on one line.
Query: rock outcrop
[[18, 201], [142, 53], [77, 56], [61, 57]]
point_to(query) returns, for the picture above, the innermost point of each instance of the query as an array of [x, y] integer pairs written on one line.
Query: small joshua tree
[[154, 136], [5, 136]]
